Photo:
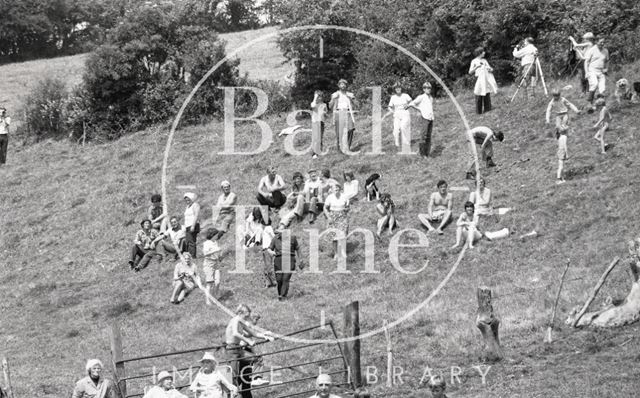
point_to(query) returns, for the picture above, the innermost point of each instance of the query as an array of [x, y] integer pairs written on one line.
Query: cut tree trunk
[[488, 324], [618, 315]]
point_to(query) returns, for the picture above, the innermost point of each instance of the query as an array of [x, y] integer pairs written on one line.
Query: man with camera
[[5, 121], [527, 54], [595, 64]]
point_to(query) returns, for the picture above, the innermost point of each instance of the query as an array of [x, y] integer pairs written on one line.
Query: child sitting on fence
[[185, 279]]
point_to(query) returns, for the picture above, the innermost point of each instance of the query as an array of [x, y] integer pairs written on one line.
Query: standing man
[[424, 104], [323, 387], [284, 260], [595, 63], [342, 104], [527, 54], [238, 332], [5, 121]]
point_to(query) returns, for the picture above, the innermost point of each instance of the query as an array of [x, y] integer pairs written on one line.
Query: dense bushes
[[444, 35]]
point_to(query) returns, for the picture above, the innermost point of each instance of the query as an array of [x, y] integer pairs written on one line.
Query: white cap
[[225, 183], [208, 357], [93, 362], [164, 375]]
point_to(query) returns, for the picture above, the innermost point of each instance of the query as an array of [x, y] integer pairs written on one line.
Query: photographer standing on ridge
[[527, 52]]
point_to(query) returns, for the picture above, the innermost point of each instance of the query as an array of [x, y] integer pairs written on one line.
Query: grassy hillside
[[69, 214]]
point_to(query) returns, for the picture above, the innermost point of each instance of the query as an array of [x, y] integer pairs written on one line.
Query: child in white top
[[211, 264], [603, 122], [559, 107], [209, 381], [398, 104], [185, 279], [563, 155], [351, 186]]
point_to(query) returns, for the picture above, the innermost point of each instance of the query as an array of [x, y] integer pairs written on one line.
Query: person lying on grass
[[467, 227], [438, 209], [185, 279], [386, 209], [209, 381]]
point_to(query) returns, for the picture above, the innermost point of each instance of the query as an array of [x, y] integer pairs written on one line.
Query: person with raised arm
[[527, 54]]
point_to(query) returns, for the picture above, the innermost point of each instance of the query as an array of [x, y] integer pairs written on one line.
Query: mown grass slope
[[69, 214]]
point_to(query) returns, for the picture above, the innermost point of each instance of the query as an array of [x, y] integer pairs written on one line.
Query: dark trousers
[[276, 201], [4, 144], [141, 257], [242, 367], [283, 277], [190, 239], [169, 247], [483, 103], [425, 144]]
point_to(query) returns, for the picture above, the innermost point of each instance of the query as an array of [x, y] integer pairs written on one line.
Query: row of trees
[[444, 34], [31, 29]]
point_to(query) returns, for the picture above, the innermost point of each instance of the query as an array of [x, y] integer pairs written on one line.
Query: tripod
[[525, 77]]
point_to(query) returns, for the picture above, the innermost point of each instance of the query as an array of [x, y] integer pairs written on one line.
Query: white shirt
[[424, 103], [226, 203], [527, 53], [210, 384], [399, 103], [159, 392], [594, 60], [4, 125], [176, 236], [336, 204], [277, 183], [478, 64], [209, 250], [350, 189], [190, 219], [310, 185], [267, 236], [343, 100], [318, 111]]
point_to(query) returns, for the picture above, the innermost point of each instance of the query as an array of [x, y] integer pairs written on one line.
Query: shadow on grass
[[579, 172]]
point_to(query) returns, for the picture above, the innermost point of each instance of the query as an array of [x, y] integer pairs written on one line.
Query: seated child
[[467, 227], [386, 209]]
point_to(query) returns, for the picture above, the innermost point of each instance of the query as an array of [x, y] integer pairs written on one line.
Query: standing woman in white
[[485, 82], [399, 105]]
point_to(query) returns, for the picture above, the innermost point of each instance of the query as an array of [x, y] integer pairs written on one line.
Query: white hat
[[225, 183], [588, 36], [93, 362], [323, 379], [191, 196], [208, 357], [164, 375]]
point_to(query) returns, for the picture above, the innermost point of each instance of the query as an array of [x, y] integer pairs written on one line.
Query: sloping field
[[69, 214]]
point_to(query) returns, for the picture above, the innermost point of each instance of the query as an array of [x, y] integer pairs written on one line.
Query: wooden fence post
[[488, 324], [117, 357], [7, 377], [352, 348]]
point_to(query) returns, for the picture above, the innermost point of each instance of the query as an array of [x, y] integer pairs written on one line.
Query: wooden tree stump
[[488, 324]]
